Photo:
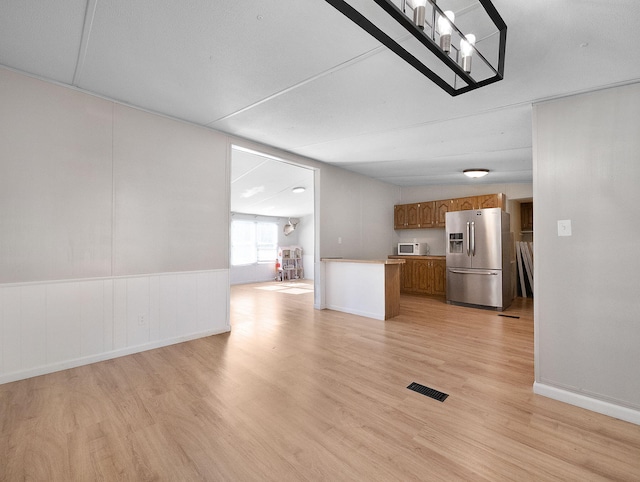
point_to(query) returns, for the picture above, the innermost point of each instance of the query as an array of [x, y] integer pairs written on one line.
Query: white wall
[[306, 239], [170, 195], [115, 227], [114, 231], [356, 215], [586, 170]]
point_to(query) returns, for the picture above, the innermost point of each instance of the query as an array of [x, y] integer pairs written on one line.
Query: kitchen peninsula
[[368, 288]]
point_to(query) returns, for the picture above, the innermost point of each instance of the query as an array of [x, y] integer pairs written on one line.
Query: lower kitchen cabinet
[[439, 269], [423, 275]]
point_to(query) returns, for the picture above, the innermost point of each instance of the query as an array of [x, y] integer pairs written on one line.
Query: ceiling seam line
[[87, 26], [336, 68], [437, 158], [417, 125]]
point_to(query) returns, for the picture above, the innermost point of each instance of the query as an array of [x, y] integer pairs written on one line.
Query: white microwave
[[413, 249]]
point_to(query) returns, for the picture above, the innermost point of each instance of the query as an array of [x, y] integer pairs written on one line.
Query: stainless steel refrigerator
[[478, 258]]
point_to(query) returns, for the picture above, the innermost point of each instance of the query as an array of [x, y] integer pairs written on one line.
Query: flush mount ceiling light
[[298, 190], [475, 172], [451, 38]]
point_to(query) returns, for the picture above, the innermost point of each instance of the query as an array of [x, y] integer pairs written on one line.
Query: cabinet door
[[400, 216], [439, 280], [466, 203], [491, 201], [427, 214], [406, 276], [413, 216], [526, 216], [441, 208], [421, 276]]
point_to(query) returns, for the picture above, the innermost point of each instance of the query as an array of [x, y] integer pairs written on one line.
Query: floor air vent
[[429, 392]]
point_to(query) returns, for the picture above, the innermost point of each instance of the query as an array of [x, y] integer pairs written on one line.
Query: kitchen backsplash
[[434, 237]]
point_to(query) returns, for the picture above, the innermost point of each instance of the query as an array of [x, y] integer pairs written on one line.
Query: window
[[267, 241], [253, 242]]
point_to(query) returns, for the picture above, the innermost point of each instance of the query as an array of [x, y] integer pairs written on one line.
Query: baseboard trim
[[130, 350], [593, 404], [353, 311]]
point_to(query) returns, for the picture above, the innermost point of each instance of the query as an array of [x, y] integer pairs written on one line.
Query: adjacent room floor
[[294, 393]]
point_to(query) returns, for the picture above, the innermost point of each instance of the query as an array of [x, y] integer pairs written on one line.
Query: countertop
[[395, 256], [370, 261]]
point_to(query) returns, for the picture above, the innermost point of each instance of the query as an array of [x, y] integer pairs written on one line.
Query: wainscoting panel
[[11, 335], [32, 305], [64, 326], [50, 326], [137, 311]]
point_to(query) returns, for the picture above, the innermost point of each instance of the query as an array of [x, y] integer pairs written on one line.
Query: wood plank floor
[[293, 393]]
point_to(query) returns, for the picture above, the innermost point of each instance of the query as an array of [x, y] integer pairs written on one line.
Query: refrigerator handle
[[473, 238], [468, 238]]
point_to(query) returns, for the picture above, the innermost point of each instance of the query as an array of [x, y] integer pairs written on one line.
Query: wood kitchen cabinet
[[406, 277], [483, 201], [439, 280], [413, 216], [465, 203], [430, 276], [526, 217], [399, 216], [427, 214], [441, 208], [432, 214], [423, 275], [491, 201]]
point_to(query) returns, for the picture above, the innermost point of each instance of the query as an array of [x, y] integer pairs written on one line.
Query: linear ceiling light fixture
[[476, 26]]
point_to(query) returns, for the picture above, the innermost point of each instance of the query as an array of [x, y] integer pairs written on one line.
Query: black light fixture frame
[[364, 23]]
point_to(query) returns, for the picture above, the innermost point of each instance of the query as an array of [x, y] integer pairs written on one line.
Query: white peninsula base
[[368, 288]]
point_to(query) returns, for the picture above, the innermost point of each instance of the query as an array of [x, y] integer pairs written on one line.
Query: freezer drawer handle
[[474, 271]]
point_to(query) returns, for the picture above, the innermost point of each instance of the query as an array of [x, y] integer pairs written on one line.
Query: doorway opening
[[272, 222]]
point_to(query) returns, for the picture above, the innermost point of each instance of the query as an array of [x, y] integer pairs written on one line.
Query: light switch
[[564, 227]]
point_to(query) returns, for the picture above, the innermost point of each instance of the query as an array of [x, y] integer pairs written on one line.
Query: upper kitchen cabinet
[[491, 201], [427, 214], [432, 214], [465, 203], [479, 202], [400, 216], [441, 208], [412, 216], [526, 217]]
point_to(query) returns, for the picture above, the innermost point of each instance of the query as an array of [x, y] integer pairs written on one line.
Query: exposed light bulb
[[445, 28], [466, 50], [419, 9]]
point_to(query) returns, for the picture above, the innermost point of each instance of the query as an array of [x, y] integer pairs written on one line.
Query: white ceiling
[[264, 185], [302, 77]]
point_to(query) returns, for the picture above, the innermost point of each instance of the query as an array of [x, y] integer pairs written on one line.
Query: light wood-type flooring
[[297, 394]]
